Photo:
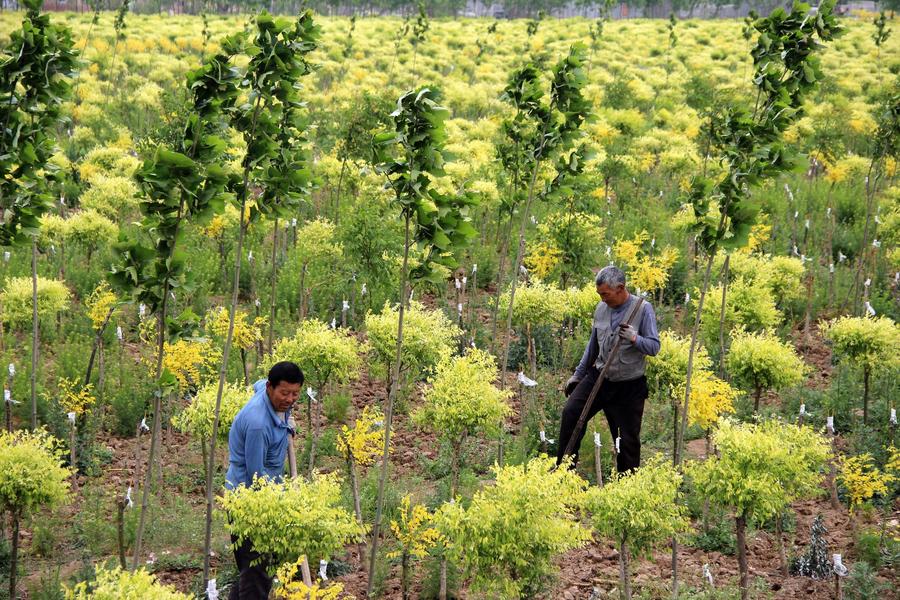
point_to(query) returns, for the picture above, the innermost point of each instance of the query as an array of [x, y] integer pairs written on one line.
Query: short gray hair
[[611, 276]]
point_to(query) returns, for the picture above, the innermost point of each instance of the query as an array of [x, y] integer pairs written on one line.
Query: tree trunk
[[120, 530], [404, 577], [274, 281], [757, 395], [316, 414], [14, 555], [34, 333], [866, 374], [782, 557], [722, 317], [357, 509], [222, 372], [389, 412], [741, 530], [624, 571]]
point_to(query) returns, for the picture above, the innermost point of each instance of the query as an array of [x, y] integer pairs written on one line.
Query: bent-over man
[[257, 444], [624, 389]]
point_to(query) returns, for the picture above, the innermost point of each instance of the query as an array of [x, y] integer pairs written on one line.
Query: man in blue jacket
[[624, 389], [257, 444]]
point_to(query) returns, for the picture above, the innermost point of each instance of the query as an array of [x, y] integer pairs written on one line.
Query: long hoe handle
[[292, 465]]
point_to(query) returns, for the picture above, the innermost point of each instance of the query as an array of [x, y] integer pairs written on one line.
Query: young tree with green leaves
[[639, 510], [539, 132], [181, 181], [290, 520], [749, 144], [325, 356], [36, 69], [274, 175], [115, 584], [462, 402], [870, 343], [410, 157], [507, 537], [761, 361], [758, 470], [31, 477]]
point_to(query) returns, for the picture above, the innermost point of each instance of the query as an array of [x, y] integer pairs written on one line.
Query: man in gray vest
[[624, 389]]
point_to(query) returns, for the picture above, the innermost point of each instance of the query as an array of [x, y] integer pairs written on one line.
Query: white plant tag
[[618, 441], [474, 268], [893, 419], [6, 256], [71, 416], [802, 409], [345, 306], [144, 426], [597, 439], [311, 393], [250, 256], [363, 291], [142, 309], [12, 370], [293, 222], [128, 499], [457, 283], [707, 574], [829, 424], [323, 568], [333, 323], [459, 307], [119, 333], [831, 267], [524, 380], [211, 592], [839, 569], [545, 439], [869, 310]]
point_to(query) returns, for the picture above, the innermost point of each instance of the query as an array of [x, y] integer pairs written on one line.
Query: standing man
[[257, 444], [624, 389]]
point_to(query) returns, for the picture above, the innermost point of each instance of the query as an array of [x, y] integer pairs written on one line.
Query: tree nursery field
[[414, 210]]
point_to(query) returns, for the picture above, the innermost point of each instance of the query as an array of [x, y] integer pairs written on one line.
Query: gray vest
[[628, 363]]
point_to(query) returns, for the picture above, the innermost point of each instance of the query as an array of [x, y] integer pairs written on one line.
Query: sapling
[[410, 157], [763, 362], [415, 537], [871, 343], [115, 584], [757, 471], [31, 477], [639, 510], [360, 446], [462, 402], [35, 73]]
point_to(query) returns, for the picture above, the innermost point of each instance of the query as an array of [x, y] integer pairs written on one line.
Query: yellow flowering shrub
[[99, 304], [668, 369], [91, 230], [536, 304], [121, 584], [324, 354], [362, 443], [413, 531], [761, 361], [31, 472], [291, 587], [15, 299], [75, 397], [110, 195], [862, 479], [190, 361], [246, 333], [711, 398]]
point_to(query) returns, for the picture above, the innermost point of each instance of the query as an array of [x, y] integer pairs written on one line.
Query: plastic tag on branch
[[62, 200], [333, 323], [523, 270], [6, 256], [250, 256], [474, 268], [12, 370], [796, 212], [869, 310], [363, 291], [653, 241], [172, 295], [597, 441], [839, 569], [257, 303], [379, 423], [533, 220], [893, 419], [142, 309], [841, 256], [618, 442], [311, 393], [796, 251], [828, 212], [831, 267], [806, 224], [71, 416], [524, 380], [119, 334], [345, 306], [897, 277], [457, 283], [802, 410], [144, 426], [660, 193], [128, 499], [323, 570], [151, 559], [459, 307], [868, 282], [545, 439], [707, 574], [829, 424], [608, 250], [877, 220], [787, 190], [294, 222], [410, 299], [876, 244], [7, 397], [212, 593], [465, 280]]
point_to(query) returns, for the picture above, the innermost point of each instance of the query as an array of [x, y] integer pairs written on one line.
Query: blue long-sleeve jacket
[[647, 340], [257, 442]]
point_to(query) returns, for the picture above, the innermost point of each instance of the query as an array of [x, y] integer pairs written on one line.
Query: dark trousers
[[254, 582], [623, 404]]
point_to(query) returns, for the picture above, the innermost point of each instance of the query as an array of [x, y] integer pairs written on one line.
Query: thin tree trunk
[[722, 317], [866, 374], [97, 341], [120, 530], [274, 280], [741, 530], [34, 333], [782, 557], [389, 412], [757, 396], [357, 508], [316, 414], [14, 555], [624, 570]]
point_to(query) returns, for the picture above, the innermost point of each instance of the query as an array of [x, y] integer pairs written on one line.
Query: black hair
[[285, 371]]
